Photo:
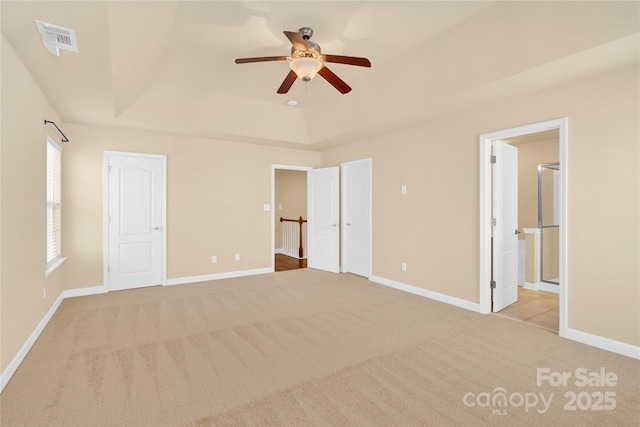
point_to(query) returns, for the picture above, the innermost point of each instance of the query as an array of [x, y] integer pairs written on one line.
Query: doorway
[[339, 228], [537, 222], [489, 262], [289, 203]]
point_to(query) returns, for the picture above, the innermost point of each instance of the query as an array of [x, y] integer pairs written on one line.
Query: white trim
[[274, 251], [53, 265], [549, 287], [485, 212], [542, 286], [467, 305], [105, 212], [54, 143], [218, 276], [13, 366], [604, 343], [575, 335], [83, 292]]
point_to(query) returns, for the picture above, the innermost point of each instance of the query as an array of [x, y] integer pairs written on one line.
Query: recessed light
[[292, 102]]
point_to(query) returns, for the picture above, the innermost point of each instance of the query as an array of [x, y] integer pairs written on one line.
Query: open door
[[323, 213], [505, 231]]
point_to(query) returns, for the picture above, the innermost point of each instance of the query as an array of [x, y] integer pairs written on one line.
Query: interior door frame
[[486, 203], [105, 213], [273, 204]]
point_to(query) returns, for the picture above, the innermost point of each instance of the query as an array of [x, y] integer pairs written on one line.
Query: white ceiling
[[169, 66]]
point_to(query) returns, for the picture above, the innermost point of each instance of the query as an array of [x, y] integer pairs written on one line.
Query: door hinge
[[108, 269], [492, 284], [493, 222], [492, 159]]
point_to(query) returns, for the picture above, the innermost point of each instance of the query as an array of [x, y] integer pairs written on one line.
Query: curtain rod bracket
[[64, 137]]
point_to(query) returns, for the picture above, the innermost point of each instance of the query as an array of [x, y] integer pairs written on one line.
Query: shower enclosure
[[548, 221]]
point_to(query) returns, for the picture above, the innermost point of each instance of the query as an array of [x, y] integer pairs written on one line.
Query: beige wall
[[434, 228], [529, 155], [23, 206], [291, 195], [215, 204], [217, 190]]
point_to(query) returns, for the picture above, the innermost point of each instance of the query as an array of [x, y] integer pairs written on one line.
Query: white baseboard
[[94, 290], [429, 294], [22, 353], [572, 334], [81, 292], [549, 287], [542, 286], [604, 343], [218, 276]]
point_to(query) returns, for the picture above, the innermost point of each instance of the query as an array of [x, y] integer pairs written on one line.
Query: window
[[54, 155]]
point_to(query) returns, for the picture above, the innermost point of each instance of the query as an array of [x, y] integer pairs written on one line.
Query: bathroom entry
[[540, 143]]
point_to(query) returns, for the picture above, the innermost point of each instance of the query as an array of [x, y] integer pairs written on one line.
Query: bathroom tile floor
[[539, 308]]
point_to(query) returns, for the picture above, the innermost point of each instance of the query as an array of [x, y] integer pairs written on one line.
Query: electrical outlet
[[237, 257], [214, 259], [404, 266], [44, 293], [403, 190]]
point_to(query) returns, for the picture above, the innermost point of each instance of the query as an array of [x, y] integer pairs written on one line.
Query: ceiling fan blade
[[260, 59], [349, 60], [288, 81], [296, 40], [334, 80]]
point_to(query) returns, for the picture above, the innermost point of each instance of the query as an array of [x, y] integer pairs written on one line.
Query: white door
[[134, 220], [356, 217], [505, 238], [323, 210]]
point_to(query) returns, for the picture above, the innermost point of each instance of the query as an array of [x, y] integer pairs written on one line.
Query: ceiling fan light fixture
[[305, 67]]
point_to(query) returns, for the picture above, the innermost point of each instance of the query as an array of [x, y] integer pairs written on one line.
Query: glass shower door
[[548, 221]]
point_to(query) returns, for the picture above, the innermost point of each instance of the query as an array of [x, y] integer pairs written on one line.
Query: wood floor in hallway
[[284, 263]]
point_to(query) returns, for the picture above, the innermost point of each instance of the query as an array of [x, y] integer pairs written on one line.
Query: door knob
[[156, 228], [517, 232], [334, 225], [348, 224]]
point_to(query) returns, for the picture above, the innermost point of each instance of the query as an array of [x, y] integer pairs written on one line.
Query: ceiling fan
[[307, 61]]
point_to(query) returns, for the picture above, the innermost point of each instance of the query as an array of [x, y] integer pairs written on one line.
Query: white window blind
[[54, 155]]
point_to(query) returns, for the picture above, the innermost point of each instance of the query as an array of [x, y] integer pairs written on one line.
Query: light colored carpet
[[302, 348]]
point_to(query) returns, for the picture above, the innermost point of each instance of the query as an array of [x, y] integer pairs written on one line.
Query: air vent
[[57, 38]]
